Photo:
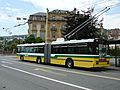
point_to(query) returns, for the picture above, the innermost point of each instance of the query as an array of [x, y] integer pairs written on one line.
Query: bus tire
[[38, 60], [21, 58], [69, 63]]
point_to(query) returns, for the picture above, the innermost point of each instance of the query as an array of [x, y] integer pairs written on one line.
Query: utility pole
[[47, 48], [46, 26]]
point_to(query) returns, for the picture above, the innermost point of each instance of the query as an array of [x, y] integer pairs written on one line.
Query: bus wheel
[[21, 57], [38, 60], [69, 63]]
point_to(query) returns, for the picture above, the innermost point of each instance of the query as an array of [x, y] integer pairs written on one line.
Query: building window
[[63, 18], [53, 17], [53, 27], [42, 26], [62, 27], [42, 35], [38, 18], [42, 18], [53, 35], [34, 26], [34, 18], [34, 34]]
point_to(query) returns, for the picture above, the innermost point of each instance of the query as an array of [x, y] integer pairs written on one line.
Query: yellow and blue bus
[[87, 53]]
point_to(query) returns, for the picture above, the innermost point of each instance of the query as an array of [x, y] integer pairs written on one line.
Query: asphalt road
[[20, 75]]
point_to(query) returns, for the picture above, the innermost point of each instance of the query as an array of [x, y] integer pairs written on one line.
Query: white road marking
[[6, 62], [47, 78], [49, 71], [4, 59]]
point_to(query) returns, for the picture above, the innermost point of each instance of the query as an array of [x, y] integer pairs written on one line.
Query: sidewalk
[[8, 55], [114, 68]]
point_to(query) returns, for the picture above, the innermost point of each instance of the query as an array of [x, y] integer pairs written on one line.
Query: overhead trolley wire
[[86, 22], [94, 18]]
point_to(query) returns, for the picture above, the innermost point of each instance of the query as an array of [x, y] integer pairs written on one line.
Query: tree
[[10, 45], [30, 39], [39, 40], [76, 19]]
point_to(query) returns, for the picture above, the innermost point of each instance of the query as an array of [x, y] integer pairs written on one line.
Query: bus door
[[102, 52], [47, 53]]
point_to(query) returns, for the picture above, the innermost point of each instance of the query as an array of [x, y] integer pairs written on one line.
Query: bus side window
[[40, 49], [27, 49], [36, 50], [64, 50], [22, 49], [93, 48], [31, 49], [18, 49], [90, 50], [53, 49]]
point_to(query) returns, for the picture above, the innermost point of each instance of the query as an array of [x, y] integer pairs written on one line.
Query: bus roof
[[72, 41], [32, 44], [60, 41]]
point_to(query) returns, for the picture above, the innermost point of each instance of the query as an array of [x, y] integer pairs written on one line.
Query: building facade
[[114, 34], [55, 25], [36, 23]]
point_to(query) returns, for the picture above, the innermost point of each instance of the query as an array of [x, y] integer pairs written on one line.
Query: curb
[[114, 68]]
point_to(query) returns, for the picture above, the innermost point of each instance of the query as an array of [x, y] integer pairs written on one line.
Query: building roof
[[39, 14], [53, 11], [59, 11]]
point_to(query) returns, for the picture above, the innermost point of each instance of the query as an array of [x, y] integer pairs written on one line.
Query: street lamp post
[[4, 39]]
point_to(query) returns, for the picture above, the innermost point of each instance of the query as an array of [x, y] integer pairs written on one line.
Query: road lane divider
[[49, 71], [47, 78], [6, 62]]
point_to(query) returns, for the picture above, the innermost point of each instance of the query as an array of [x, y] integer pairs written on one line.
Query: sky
[[10, 10]]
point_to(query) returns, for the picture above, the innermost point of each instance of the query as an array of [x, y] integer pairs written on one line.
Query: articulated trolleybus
[[87, 53]]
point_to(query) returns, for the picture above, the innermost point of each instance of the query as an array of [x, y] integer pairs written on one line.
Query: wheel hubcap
[[38, 60], [69, 64]]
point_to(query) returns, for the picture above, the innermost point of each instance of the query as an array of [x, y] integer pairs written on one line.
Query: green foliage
[[1, 46], [1, 42], [114, 52], [32, 39], [11, 46], [38, 40], [1, 38]]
